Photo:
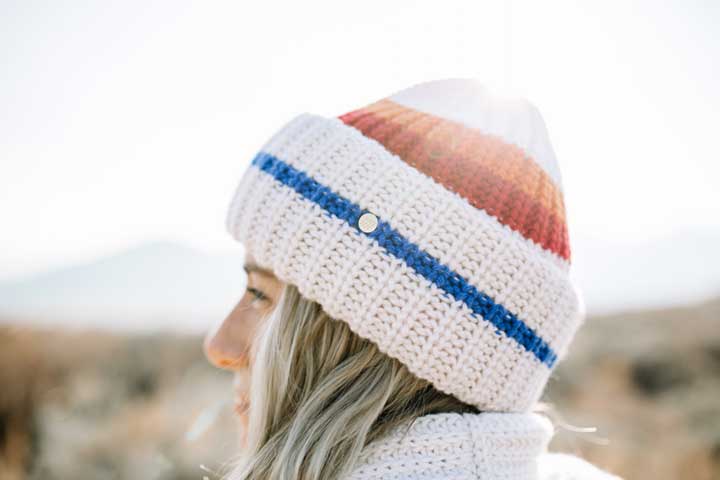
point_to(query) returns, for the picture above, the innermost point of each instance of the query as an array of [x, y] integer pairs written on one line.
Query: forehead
[[251, 266]]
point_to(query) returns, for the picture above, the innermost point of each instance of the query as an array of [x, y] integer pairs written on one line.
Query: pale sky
[[125, 122]]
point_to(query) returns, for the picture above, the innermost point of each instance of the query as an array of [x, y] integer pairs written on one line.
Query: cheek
[[247, 322], [245, 325], [229, 341]]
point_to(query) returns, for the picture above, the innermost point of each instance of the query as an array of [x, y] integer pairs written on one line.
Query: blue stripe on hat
[[422, 262]]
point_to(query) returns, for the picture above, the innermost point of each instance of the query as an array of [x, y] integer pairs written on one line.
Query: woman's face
[[228, 346]]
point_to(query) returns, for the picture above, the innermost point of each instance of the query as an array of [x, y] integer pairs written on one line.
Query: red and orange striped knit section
[[490, 173]]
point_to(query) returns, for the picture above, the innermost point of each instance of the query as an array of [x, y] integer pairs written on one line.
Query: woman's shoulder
[[457, 446], [563, 466]]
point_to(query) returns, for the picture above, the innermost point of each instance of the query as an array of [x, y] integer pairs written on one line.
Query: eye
[[259, 296]]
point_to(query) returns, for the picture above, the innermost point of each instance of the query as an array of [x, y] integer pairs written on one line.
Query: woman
[[408, 293]]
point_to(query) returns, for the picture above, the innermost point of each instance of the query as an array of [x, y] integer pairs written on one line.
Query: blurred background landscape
[[130, 395], [124, 129]]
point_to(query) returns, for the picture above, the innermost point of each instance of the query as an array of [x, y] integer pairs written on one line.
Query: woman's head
[[318, 392], [431, 223]]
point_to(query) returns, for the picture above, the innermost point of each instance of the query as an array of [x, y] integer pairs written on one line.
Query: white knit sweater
[[472, 446]]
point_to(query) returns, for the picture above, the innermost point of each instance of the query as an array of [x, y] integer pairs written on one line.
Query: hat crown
[[490, 149], [468, 101]]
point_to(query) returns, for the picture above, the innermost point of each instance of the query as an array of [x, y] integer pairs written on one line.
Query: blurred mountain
[[166, 284], [163, 283]]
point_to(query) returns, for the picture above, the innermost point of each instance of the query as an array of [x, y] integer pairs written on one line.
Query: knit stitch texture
[[463, 272], [487, 446]]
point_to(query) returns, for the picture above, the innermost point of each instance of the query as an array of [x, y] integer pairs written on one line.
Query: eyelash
[[257, 293]]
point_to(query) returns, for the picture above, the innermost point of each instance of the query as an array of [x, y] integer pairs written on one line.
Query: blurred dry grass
[[650, 382], [96, 405]]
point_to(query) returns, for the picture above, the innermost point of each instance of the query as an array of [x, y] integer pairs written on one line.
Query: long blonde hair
[[320, 393]]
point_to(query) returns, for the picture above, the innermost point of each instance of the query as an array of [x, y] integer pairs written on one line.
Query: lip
[[240, 407], [240, 401]]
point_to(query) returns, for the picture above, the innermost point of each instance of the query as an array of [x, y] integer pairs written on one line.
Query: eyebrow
[[253, 267]]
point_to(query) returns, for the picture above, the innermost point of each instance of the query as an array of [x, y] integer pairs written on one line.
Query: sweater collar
[[454, 445]]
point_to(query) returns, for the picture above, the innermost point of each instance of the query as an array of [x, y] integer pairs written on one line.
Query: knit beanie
[[433, 223]]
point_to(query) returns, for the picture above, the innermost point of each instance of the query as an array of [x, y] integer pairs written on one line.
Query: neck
[[453, 445]]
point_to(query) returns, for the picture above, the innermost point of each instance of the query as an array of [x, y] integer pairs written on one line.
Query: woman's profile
[[408, 293]]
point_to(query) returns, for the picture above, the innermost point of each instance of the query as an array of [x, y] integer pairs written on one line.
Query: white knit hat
[[433, 223]]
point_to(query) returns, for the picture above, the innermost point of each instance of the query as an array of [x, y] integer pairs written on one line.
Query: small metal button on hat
[[367, 222]]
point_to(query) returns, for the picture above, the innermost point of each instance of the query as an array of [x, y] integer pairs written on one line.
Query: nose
[[226, 346]]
